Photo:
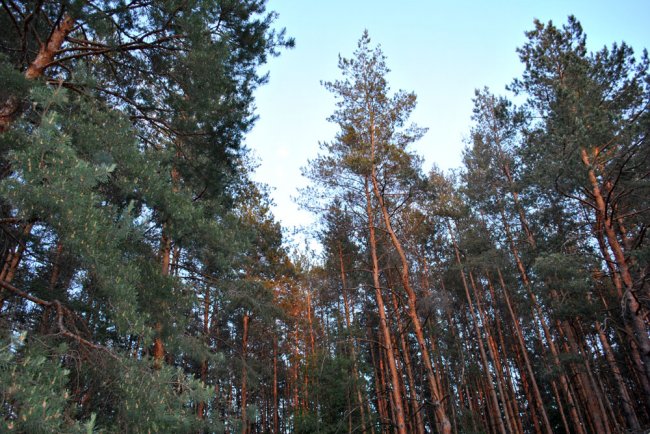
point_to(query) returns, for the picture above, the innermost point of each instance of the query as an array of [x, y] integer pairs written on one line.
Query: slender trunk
[[494, 409], [312, 344], [165, 259], [626, 404], [353, 352], [379, 382], [394, 376], [244, 374], [632, 309], [206, 331], [436, 396], [493, 355], [294, 374], [564, 383], [539, 402], [510, 388], [591, 392], [12, 261], [412, 396], [204, 375], [441, 373], [524, 378], [530, 238], [276, 426]]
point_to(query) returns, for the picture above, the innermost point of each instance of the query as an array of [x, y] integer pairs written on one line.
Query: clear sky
[[440, 50]]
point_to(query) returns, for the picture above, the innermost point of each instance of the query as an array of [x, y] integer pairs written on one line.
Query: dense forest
[[145, 285]]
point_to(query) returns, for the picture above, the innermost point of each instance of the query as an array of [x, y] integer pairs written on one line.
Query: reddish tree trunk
[[438, 404], [394, 376], [494, 408], [244, 374]]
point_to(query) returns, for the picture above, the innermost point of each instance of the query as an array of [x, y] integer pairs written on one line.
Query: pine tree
[[121, 131]]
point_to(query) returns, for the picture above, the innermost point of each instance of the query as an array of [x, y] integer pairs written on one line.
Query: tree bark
[[43, 60], [632, 309], [394, 376], [494, 407], [12, 261], [539, 402], [412, 396], [436, 396], [509, 422], [276, 425], [353, 352], [244, 374]]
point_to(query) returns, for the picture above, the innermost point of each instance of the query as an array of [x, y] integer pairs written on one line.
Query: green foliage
[[333, 387], [34, 392], [104, 157]]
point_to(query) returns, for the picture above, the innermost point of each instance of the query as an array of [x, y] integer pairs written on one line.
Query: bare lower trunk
[[244, 374], [400, 423], [494, 356], [539, 403], [632, 309], [276, 425], [353, 352], [379, 382], [412, 396], [436, 395], [493, 400]]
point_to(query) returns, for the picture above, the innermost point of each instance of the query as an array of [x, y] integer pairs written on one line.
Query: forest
[[145, 285]]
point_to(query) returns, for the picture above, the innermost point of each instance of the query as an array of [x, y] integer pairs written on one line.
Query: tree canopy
[[145, 285]]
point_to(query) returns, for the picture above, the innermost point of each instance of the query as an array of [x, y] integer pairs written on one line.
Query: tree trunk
[[276, 425], [493, 355], [412, 396], [244, 374], [43, 60], [542, 320], [494, 408], [436, 396], [379, 382], [353, 352], [632, 308], [539, 402], [509, 384], [626, 401], [165, 259], [12, 261], [394, 376]]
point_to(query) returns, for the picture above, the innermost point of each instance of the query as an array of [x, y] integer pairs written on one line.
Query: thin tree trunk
[[539, 402], [395, 380], [547, 332], [12, 261], [510, 388], [493, 355], [379, 382], [165, 259], [244, 374], [353, 352], [276, 426], [626, 404], [632, 308], [495, 411], [412, 396], [436, 396], [206, 331]]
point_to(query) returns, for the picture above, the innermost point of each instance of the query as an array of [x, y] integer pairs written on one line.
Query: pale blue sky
[[440, 50]]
